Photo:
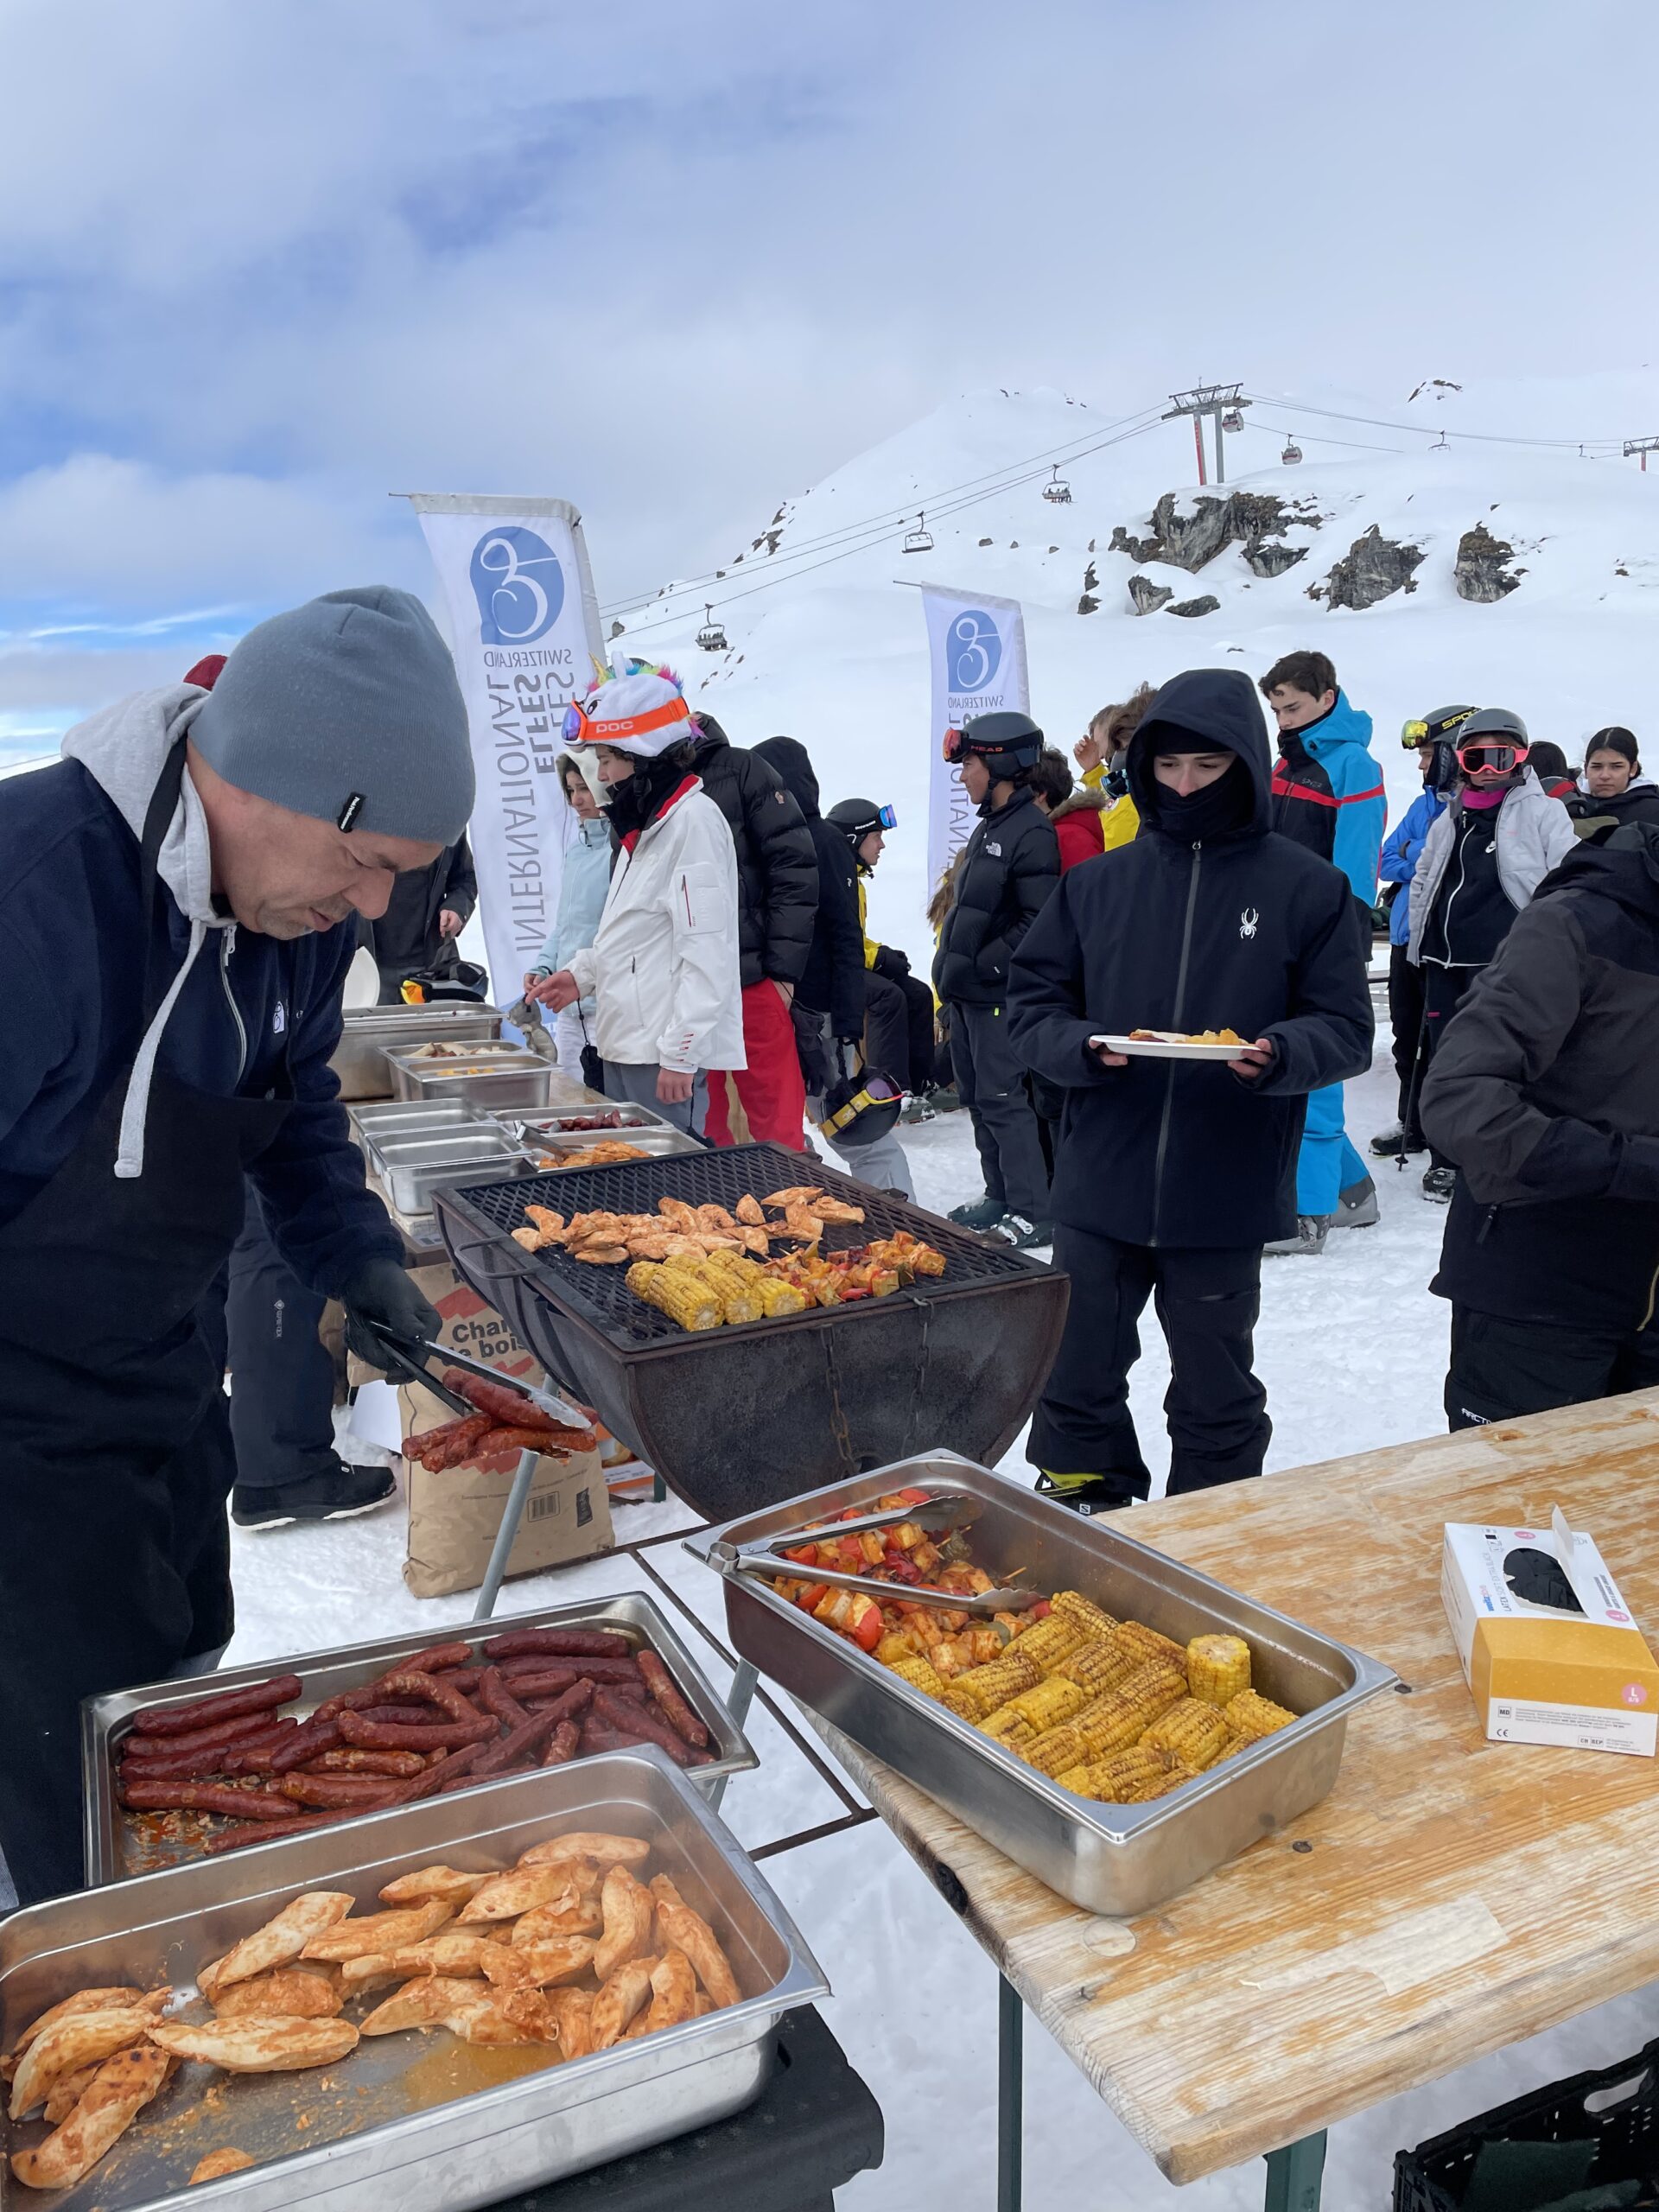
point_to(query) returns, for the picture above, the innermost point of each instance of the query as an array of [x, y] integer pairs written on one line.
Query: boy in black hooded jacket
[[1171, 1176]]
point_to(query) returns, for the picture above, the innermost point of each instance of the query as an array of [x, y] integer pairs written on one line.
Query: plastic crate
[[1618, 2105]]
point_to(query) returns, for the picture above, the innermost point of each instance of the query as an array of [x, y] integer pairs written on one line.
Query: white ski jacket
[[664, 964], [1535, 833]]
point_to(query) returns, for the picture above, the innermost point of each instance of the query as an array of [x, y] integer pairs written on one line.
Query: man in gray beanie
[[171, 894]]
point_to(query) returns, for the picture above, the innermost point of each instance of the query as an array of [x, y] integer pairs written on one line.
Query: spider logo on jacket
[[1247, 922]]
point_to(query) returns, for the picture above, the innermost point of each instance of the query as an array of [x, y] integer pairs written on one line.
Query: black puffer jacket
[[1010, 867], [776, 874], [832, 980], [1545, 1092], [1247, 931]]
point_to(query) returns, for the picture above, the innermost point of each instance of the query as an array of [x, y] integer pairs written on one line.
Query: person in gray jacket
[[1483, 858], [1546, 1093]]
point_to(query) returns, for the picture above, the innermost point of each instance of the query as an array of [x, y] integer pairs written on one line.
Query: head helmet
[[856, 817], [1496, 740], [1429, 729], [1006, 742], [861, 1108]]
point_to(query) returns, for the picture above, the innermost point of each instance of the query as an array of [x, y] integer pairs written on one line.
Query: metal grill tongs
[[411, 1355], [947, 1511]]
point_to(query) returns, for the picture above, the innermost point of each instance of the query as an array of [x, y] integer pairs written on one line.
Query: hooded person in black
[[1171, 1176], [1545, 1093]]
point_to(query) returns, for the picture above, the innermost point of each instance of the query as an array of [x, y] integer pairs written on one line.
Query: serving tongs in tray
[[948, 1511]]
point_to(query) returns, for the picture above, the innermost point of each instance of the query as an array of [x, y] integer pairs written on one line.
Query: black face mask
[[1220, 809], [629, 806]]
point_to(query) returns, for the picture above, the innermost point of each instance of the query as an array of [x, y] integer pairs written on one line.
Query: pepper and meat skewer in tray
[[541, 1697], [1109, 1709]]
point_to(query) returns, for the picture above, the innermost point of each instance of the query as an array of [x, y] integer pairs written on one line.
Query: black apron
[[115, 1450]]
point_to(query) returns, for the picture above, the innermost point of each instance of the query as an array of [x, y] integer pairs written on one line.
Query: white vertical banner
[[977, 645], [525, 624]]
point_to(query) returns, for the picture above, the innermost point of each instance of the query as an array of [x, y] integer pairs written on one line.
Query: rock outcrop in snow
[[1205, 605], [1254, 520], [1148, 597], [1482, 573], [1372, 569]]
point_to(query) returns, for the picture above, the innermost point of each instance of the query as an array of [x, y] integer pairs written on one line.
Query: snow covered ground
[[1352, 1349]]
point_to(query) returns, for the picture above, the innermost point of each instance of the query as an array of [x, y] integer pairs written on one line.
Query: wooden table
[[1449, 1897]]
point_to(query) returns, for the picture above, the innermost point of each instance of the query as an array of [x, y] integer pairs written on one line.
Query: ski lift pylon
[[1232, 420], [1292, 453], [712, 636], [1058, 490], [919, 540]]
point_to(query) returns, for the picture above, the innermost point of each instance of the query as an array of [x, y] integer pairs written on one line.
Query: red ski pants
[[772, 1096]]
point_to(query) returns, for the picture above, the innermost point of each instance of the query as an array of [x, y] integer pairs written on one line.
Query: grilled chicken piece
[[258, 2046], [279, 1941], [122, 2086]]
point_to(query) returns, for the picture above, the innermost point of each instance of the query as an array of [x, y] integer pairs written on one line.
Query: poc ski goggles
[[581, 728]]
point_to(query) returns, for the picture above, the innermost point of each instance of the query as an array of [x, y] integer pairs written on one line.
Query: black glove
[[891, 962], [381, 1294]]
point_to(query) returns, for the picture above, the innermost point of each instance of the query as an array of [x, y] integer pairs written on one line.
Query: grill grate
[[601, 1296]]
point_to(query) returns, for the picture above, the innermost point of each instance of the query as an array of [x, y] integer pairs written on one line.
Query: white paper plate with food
[[1176, 1045]]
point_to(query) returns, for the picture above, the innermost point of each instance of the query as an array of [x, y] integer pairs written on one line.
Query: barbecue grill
[[738, 1417]]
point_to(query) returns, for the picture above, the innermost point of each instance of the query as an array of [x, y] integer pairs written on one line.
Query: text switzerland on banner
[[978, 650], [525, 624]]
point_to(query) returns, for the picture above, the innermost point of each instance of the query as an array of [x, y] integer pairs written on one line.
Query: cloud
[[258, 267]]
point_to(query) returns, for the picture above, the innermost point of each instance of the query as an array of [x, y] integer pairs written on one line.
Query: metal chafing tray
[[359, 1060], [654, 1142], [1118, 1859], [116, 1848], [502, 1077], [412, 1167], [565, 1124], [388, 1118], [413, 2123]]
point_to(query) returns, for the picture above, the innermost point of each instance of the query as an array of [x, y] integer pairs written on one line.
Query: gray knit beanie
[[347, 708]]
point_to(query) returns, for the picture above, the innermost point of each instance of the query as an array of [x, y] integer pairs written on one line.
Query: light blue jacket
[[1400, 856], [581, 900]]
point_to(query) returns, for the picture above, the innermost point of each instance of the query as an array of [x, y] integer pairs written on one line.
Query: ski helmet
[[1429, 729], [861, 1108], [1006, 742], [856, 817], [1498, 736]]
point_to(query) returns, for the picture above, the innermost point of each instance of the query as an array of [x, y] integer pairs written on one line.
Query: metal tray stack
[[636, 1125], [398, 2125], [734, 1417], [114, 1851], [367, 1033], [1119, 1859], [503, 1078]]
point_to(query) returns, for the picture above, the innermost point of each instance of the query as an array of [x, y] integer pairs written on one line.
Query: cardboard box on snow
[[454, 1515], [1549, 1648]]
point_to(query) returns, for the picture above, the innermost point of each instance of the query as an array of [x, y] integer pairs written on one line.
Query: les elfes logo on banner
[[519, 582]]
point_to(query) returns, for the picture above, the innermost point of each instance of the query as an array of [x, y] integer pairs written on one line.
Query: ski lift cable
[[1425, 430], [1319, 438], [1017, 472], [846, 553]]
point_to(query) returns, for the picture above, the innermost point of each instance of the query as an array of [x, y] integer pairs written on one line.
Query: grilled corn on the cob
[[1119, 1780], [1107, 1724], [981, 1689], [919, 1676], [1008, 1725], [682, 1296], [1191, 1731], [1088, 1616], [1178, 1775], [1047, 1704], [1251, 1717], [1050, 1641], [1099, 1666], [1134, 1636], [1218, 1667]]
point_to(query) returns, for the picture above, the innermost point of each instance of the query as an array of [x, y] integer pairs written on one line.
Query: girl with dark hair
[[1613, 789]]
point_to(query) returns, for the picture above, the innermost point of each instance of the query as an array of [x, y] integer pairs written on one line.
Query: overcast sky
[[262, 264]]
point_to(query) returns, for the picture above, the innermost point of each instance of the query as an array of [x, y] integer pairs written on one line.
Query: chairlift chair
[[919, 540], [1292, 453], [1232, 420], [712, 636], [1442, 444], [1059, 491]]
